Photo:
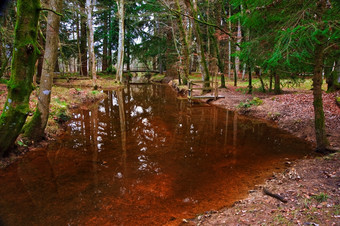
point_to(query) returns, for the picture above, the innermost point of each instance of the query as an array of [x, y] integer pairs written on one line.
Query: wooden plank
[[206, 97], [201, 81], [199, 88]]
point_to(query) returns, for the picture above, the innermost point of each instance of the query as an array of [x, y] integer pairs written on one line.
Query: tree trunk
[[20, 87], [271, 81], [235, 77], [277, 89], [333, 77], [184, 42], [229, 46], [120, 58], [93, 72], [78, 45], [320, 131], [170, 56], [200, 47], [239, 38], [258, 73], [319, 116], [105, 43], [250, 86], [34, 130], [83, 39]]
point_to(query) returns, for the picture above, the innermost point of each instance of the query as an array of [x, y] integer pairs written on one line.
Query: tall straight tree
[[20, 87], [83, 39], [105, 43], [120, 58], [239, 39], [184, 42], [36, 127], [93, 73]]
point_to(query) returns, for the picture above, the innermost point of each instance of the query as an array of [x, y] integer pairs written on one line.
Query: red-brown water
[[144, 157]]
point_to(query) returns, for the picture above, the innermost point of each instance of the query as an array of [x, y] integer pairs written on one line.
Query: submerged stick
[[266, 192]]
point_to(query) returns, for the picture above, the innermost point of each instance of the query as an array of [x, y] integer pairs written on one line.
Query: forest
[[273, 60]]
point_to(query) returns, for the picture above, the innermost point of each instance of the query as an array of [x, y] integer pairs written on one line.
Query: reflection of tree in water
[[143, 152]]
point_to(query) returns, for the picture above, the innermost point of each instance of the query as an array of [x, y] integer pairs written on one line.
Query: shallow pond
[[144, 157]]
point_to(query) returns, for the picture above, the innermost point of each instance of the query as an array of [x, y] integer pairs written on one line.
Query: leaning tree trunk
[[20, 87], [93, 71], [34, 130], [120, 59]]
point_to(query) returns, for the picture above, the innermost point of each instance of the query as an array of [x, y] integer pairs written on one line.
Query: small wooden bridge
[[195, 85], [141, 69]]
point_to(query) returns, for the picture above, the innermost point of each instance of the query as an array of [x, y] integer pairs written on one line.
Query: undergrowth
[[248, 103]]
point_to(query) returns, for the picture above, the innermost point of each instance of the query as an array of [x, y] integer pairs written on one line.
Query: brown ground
[[311, 186]]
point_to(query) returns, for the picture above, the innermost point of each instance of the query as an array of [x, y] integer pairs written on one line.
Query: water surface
[[144, 157]]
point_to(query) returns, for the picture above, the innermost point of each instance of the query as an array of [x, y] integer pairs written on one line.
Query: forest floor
[[311, 187]]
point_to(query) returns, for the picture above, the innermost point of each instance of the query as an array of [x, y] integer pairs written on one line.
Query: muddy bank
[[311, 187], [63, 102]]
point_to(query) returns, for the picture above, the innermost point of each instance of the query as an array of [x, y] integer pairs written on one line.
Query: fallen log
[[276, 196]]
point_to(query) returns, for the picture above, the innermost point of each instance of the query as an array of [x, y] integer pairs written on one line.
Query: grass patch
[[254, 102], [3, 81], [322, 197], [157, 78]]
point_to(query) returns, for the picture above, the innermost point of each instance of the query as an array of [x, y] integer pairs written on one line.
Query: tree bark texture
[[93, 72], [319, 121], [20, 87], [105, 44], [184, 42], [277, 88], [120, 58], [239, 38], [36, 127], [83, 39]]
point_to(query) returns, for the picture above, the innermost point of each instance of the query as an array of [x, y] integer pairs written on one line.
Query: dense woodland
[[272, 39]]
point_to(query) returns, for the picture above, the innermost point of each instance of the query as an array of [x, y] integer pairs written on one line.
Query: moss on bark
[[20, 86]]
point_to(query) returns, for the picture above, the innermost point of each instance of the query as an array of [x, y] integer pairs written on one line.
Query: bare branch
[[51, 10]]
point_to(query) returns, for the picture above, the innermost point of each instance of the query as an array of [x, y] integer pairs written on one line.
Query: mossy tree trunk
[[20, 86], [34, 130]]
